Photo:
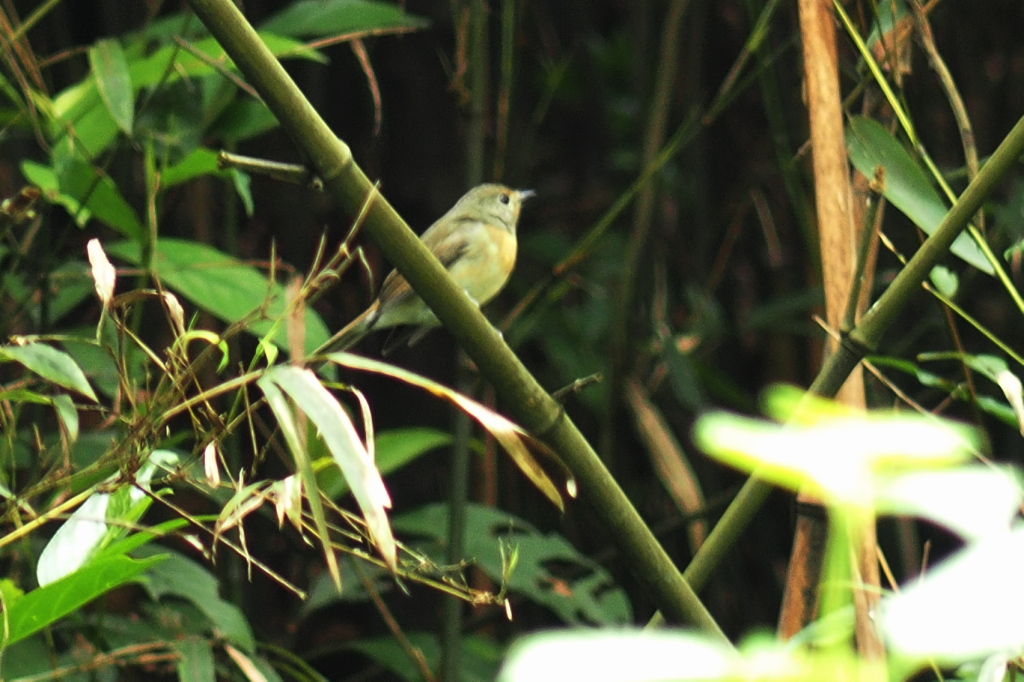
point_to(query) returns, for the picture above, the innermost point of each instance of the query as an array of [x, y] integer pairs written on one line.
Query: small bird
[[475, 241]]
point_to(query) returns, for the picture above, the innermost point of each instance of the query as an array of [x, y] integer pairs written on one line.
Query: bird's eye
[[504, 198]]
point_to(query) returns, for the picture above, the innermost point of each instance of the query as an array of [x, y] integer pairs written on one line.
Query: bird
[[476, 243]]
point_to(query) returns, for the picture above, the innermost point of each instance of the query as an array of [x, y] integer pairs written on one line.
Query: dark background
[[727, 263]]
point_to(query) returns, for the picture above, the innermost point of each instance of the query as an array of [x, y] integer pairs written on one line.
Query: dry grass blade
[[670, 461]]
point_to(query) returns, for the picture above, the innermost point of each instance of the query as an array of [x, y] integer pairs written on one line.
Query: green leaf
[[146, 535], [479, 659], [203, 161], [72, 284], [243, 188], [154, 68], [28, 658], [181, 577], [81, 108], [199, 162], [241, 120], [51, 364], [102, 519], [98, 193], [923, 376], [684, 381], [85, 193], [195, 659], [945, 281], [110, 67], [100, 368], [996, 370], [46, 605], [905, 184], [45, 178], [229, 289], [584, 594], [341, 17], [68, 416], [62, 404]]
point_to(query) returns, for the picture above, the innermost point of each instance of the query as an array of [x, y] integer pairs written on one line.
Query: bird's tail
[[352, 333]]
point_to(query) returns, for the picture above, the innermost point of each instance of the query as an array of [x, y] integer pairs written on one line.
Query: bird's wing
[[448, 245], [447, 238]]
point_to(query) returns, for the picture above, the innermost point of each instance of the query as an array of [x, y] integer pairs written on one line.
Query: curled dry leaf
[[176, 312], [287, 497], [104, 275], [211, 466]]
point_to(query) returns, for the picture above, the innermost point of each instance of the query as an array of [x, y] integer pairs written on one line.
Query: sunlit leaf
[[966, 608], [103, 518], [973, 502], [604, 656], [945, 280], [840, 453]]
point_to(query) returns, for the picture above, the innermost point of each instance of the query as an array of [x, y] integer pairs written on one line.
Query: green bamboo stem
[[864, 339], [346, 183]]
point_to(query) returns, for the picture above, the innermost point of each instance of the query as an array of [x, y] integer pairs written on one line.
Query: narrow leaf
[[336, 17], [109, 65], [341, 438], [512, 438], [95, 190], [46, 605], [286, 420], [904, 183], [51, 364]]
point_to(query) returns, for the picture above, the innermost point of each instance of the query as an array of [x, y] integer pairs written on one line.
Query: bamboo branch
[[346, 183]]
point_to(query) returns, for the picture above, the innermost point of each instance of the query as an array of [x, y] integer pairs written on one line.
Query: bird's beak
[[525, 194]]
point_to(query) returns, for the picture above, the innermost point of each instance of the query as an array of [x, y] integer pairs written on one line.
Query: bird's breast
[[486, 266]]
